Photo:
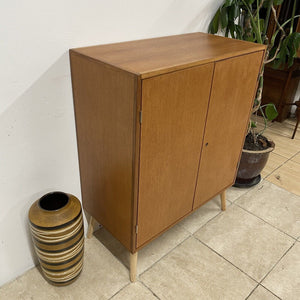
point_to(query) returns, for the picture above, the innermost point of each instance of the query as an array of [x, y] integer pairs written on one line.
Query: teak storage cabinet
[[160, 127]]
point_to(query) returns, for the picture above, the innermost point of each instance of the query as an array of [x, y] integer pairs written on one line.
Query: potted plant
[[248, 20]]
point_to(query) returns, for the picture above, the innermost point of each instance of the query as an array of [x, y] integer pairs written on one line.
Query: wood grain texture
[[146, 174], [174, 108], [157, 56], [136, 156], [233, 89], [105, 108]]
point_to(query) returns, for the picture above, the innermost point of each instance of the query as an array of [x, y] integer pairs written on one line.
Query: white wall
[[37, 130]]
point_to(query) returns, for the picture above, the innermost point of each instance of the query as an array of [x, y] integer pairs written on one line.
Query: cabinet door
[[233, 89], [174, 108]]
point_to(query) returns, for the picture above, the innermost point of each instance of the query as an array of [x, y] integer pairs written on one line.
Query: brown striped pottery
[[57, 232]]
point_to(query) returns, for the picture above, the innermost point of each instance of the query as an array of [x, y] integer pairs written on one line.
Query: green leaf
[[228, 3], [277, 2], [249, 2], [227, 32], [293, 45], [271, 111], [267, 3], [214, 24], [232, 30], [295, 40], [224, 17], [233, 12], [239, 32], [253, 124]]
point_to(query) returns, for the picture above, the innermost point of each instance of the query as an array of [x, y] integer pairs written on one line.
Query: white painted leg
[[223, 200], [133, 264], [91, 227]]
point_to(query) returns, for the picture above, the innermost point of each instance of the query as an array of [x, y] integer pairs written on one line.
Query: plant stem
[[281, 38], [293, 17], [257, 16], [254, 25], [267, 18], [265, 121]]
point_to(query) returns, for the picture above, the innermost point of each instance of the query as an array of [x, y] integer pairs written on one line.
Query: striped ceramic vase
[[57, 232]]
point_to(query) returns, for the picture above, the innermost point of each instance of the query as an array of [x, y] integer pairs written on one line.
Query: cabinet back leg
[[91, 227], [223, 200], [133, 264]]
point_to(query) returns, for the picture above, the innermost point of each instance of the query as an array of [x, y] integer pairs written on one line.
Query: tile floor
[[250, 251]]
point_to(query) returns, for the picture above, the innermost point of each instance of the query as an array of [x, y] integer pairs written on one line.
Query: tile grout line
[[281, 165], [259, 283], [251, 213], [284, 254], [128, 284], [270, 291], [252, 291], [248, 191], [278, 132], [264, 288], [121, 289], [165, 255], [219, 213], [225, 259], [190, 234], [149, 289]]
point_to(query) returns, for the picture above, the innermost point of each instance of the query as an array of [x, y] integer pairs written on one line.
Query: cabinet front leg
[[91, 227], [223, 200], [133, 264]]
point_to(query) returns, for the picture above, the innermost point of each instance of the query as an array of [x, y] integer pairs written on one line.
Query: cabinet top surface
[[151, 57]]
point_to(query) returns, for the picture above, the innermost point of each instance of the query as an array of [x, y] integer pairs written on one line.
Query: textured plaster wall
[[37, 131]]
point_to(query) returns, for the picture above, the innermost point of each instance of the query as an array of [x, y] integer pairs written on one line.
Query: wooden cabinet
[[160, 127]]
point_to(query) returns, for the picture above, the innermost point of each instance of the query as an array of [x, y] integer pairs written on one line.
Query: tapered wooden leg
[[298, 120], [133, 264], [91, 227], [223, 200]]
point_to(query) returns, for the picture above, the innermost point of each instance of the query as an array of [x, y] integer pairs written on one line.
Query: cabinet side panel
[[233, 90], [174, 108], [105, 112]]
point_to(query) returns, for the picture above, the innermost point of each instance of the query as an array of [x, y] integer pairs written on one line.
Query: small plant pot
[[58, 236], [251, 165]]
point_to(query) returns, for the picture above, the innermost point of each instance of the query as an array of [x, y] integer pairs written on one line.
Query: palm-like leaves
[[242, 19]]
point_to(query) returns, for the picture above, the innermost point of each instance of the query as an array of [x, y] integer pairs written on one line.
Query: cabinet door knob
[[206, 144]]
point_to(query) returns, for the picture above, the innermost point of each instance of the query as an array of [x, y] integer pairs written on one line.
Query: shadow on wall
[[38, 154], [196, 22]]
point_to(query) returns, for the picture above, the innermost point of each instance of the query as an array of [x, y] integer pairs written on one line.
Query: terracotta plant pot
[[251, 165], [57, 232]]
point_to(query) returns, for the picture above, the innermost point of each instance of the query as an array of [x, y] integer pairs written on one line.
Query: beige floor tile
[[102, 277], [202, 215], [233, 193], [296, 158], [248, 242], [260, 293], [273, 163], [286, 128], [193, 271], [284, 280], [284, 145], [134, 291], [287, 177], [150, 253], [275, 205]]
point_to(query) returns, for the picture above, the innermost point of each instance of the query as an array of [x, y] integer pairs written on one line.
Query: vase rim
[[269, 149], [60, 202]]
